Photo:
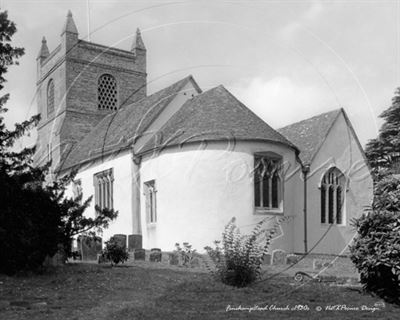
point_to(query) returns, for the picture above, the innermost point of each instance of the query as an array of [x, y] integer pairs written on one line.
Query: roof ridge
[[313, 117]]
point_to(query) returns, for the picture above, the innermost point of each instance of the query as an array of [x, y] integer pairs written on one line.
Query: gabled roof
[[119, 129], [309, 135], [214, 115]]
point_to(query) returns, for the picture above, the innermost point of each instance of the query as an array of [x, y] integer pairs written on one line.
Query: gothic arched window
[[267, 182], [50, 97], [332, 186], [107, 92]]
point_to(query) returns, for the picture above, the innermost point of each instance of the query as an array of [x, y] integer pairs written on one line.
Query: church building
[[180, 163]]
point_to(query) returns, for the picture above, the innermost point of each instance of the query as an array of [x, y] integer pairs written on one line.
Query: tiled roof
[[213, 115], [119, 129], [308, 135]]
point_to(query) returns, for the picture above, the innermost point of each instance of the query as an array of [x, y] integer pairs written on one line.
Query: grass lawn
[[152, 291]]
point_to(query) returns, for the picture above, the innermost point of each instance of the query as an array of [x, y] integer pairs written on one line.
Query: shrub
[[238, 261], [376, 252], [115, 252], [187, 254], [29, 226]]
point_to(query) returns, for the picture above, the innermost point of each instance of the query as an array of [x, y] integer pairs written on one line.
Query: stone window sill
[[326, 225], [265, 211], [151, 225]]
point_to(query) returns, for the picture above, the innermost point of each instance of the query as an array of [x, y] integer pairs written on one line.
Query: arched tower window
[[332, 186], [107, 92], [50, 97]]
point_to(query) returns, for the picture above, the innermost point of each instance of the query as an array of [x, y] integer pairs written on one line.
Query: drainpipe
[[306, 170], [136, 218]]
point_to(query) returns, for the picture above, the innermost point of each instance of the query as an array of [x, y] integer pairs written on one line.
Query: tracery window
[[332, 187], [50, 97], [150, 193], [103, 186], [267, 182], [107, 92]]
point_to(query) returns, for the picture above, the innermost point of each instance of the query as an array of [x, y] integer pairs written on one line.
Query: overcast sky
[[286, 60]]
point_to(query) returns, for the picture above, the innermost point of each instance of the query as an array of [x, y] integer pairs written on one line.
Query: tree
[[35, 217], [375, 250], [384, 151]]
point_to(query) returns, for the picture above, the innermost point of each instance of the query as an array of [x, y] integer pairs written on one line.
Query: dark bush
[[376, 253], [115, 252], [29, 226]]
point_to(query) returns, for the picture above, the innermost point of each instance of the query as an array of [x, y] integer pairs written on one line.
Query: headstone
[[102, 259], [140, 254], [89, 247], [319, 264], [292, 259], [278, 257], [58, 259], [267, 259], [155, 256], [155, 250], [135, 242], [121, 239], [173, 259]]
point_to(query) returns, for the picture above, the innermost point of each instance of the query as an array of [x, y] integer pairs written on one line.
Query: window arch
[[50, 97], [267, 182], [332, 187], [107, 92]]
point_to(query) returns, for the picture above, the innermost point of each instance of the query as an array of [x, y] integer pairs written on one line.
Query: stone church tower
[[78, 84]]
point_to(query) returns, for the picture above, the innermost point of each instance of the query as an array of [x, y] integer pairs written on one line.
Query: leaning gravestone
[[155, 255], [278, 257], [266, 259], [135, 242], [89, 247], [139, 254], [121, 239]]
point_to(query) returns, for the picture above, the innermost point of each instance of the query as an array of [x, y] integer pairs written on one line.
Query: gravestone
[[319, 264], [121, 239], [139, 254], [59, 258], [292, 259], [89, 247], [102, 259], [266, 259], [135, 242], [155, 255], [173, 259], [278, 257]]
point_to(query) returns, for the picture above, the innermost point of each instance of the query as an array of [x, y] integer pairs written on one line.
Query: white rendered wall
[[200, 190], [122, 192]]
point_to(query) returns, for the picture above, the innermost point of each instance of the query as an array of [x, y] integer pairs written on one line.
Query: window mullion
[[270, 191]]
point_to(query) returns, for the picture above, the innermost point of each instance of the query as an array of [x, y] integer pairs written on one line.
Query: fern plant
[[237, 261]]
